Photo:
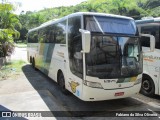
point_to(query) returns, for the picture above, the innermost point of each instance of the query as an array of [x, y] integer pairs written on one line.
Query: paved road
[[19, 54], [32, 90], [54, 100]]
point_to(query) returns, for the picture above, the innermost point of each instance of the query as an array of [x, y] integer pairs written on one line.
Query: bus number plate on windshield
[[119, 94]]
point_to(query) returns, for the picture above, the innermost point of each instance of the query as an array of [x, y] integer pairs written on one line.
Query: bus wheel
[[30, 59], [61, 82], [147, 87], [33, 64]]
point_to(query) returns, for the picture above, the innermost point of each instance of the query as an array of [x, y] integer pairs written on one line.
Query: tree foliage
[[8, 23], [132, 8]]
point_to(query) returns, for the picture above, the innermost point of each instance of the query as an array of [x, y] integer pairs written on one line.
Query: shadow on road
[[156, 97], [73, 105]]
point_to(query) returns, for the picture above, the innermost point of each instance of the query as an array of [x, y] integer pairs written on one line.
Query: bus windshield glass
[[114, 57], [110, 25]]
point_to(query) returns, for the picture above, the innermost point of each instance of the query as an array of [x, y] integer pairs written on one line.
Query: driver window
[[133, 51], [75, 46]]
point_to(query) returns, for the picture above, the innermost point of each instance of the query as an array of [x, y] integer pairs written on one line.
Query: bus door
[[75, 70]]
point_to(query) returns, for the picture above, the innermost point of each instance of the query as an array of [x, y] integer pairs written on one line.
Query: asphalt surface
[[34, 91]]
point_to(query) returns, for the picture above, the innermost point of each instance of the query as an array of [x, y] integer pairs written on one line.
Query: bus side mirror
[[152, 41], [86, 40]]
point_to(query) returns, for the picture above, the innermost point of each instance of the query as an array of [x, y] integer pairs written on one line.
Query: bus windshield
[[110, 25], [114, 57]]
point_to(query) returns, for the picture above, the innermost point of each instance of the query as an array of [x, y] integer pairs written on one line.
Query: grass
[[11, 69]]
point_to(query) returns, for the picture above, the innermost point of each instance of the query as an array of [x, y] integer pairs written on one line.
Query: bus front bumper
[[96, 94]]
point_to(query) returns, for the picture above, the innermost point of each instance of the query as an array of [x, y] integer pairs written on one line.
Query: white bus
[[151, 63], [95, 56]]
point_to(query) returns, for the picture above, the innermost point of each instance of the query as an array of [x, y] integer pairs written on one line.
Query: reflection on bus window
[[75, 46], [153, 30]]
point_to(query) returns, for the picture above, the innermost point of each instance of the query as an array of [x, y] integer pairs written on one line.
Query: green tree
[[132, 8], [150, 4], [152, 7], [8, 22]]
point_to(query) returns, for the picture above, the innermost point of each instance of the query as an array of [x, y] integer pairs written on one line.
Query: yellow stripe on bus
[[133, 79]]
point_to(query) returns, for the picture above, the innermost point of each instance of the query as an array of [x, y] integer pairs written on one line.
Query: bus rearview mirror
[[86, 40], [152, 41]]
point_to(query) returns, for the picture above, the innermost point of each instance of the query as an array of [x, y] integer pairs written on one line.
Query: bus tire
[[30, 59], [33, 64], [147, 87], [61, 82]]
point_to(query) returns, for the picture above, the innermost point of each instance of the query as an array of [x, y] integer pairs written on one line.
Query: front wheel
[[61, 82], [147, 87]]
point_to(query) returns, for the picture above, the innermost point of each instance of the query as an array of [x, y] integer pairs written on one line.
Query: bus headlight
[[139, 80], [92, 84]]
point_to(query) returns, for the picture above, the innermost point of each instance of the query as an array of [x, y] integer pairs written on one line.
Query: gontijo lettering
[[151, 57]]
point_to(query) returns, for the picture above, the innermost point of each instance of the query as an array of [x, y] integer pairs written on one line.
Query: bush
[[6, 49]]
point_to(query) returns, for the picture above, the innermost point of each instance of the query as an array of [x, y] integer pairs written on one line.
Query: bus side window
[[52, 34], [33, 37], [41, 36], [61, 32], [29, 37], [153, 30], [47, 34]]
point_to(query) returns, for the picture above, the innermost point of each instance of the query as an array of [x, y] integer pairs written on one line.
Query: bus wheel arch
[[148, 86], [61, 82]]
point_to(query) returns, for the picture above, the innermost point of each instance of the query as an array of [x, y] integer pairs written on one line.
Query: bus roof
[[79, 14], [101, 14], [150, 20]]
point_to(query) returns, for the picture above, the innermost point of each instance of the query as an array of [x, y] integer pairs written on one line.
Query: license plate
[[119, 94]]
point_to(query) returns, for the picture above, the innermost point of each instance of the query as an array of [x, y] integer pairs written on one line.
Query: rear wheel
[[61, 82], [30, 59], [33, 64], [147, 87]]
